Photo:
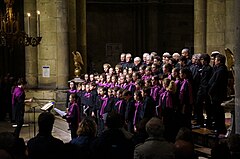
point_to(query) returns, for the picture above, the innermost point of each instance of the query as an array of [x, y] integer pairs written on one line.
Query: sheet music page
[[47, 106], [60, 112]]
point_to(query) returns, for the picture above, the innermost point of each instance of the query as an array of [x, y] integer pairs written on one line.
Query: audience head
[[114, 120], [4, 154], [185, 134], [155, 127], [45, 123], [12, 146], [87, 127]]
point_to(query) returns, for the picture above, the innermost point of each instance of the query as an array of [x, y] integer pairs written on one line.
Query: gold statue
[[230, 59], [78, 62]]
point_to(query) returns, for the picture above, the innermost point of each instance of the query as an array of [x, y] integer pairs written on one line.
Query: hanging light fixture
[[10, 33]]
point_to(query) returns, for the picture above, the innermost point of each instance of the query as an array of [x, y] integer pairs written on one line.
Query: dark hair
[[157, 57], [221, 58], [205, 57], [183, 59], [21, 81], [45, 122], [139, 95], [127, 93], [187, 72], [74, 96], [114, 120], [147, 91], [155, 77], [168, 66], [93, 83], [185, 134]]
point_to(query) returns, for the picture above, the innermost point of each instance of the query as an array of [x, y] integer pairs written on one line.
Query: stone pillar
[[215, 25], [229, 30], [200, 26], [72, 36], [82, 32], [31, 60], [237, 65], [53, 51]]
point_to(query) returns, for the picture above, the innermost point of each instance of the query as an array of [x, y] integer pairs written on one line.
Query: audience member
[[114, 142], [155, 146], [12, 145], [184, 144], [44, 145], [87, 131]]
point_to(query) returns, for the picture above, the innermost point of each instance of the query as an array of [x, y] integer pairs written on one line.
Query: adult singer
[[18, 105]]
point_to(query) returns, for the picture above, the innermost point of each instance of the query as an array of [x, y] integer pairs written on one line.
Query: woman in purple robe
[[18, 105]]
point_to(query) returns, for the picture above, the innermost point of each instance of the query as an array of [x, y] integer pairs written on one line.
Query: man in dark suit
[[218, 92]]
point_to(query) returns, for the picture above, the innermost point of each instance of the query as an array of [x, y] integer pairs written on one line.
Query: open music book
[[47, 106], [60, 112]]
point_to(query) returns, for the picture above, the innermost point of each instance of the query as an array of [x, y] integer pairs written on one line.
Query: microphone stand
[[34, 114]]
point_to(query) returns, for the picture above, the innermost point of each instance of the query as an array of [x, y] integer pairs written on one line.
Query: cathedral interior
[[40, 40], [101, 30]]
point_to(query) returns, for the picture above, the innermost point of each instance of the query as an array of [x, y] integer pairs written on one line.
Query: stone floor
[[60, 129]]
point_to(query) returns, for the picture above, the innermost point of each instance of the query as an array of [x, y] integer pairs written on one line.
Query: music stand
[[46, 107], [34, 122]]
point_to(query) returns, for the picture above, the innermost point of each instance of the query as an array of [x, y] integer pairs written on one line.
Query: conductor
[[18, 105]]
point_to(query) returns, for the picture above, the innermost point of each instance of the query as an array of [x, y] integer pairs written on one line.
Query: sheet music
[[47, 106], [60, 112]]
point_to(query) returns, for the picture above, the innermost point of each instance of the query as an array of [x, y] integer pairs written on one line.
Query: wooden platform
[[203, 151]]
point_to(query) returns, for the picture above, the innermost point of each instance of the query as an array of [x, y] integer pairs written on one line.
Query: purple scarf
[[104, 104], [119, 105], [154, 91], [87, 95], [183, 93], [168, 98], [138, 104], [72, 91]]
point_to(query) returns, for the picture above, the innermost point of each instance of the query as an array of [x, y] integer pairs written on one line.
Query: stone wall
[[42, 97], [137, 27]]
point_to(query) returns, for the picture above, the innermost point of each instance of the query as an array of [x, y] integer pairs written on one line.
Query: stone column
[[237, 65], [72, 36], [229, 30], [31, 60], [53, 53], [82, 32], [215, 25], [200, 26]]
